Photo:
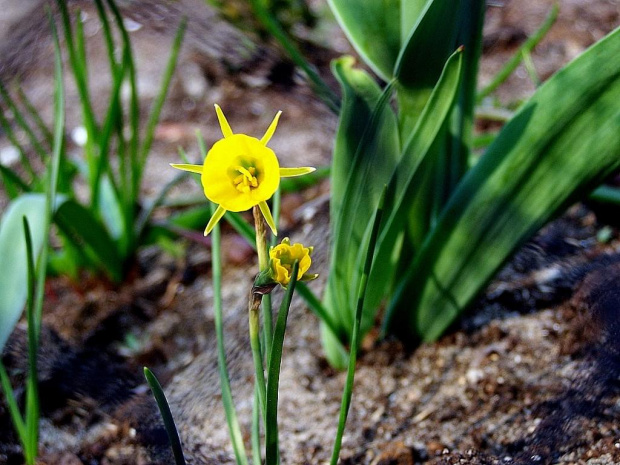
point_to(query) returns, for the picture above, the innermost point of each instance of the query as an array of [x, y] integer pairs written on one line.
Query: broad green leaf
[[441, 27], [410, 11], [405, 195], [430, 42], [373, 27], [13, 263], [559, 146], [366, 151], [83, 228]]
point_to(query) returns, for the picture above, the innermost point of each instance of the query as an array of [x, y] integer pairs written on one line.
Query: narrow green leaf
[[270, 22], [517, 57], [355, 340], [559, 146], [35, 115], [166, 415], [32, 383], [13, 183], [20, 120], [272, 454], [9, 395]]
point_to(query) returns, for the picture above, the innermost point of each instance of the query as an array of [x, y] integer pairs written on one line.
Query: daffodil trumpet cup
[[240, 172]]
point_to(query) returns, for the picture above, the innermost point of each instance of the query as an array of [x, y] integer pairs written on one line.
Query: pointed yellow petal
[[264, 208], [291, 172], [271, 129], [226, 131], [185, 167], [217, 216]]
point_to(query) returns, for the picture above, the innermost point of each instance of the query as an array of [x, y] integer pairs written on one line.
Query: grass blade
[[166, 415], [275, 29], [23, 124], [516, 59]]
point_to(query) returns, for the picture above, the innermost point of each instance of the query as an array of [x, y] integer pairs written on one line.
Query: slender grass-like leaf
[[13, 183], [275, 29], [20, 120], [517, 57], [355, 339], [32, 382], [272, 454], [79, 75], [35, 115], [256, 449], [366, 152], [166, 415], [9, 396], [10, 135], [559, 146]]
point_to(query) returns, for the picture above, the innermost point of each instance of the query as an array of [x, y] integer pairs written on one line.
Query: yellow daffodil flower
[[240, 172], [283, 256]]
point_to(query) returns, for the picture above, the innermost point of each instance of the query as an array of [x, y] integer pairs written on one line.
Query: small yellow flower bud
[[283, 256]]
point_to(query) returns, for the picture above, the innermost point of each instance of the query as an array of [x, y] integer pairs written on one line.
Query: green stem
[[272, 453], [253, 308], [263, 264], [256, 453], [267, 308], [231, 417]]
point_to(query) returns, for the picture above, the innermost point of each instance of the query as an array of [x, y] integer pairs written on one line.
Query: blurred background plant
[[102, 229], [24, 248]]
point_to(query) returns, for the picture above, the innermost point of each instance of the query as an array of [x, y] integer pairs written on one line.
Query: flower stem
[[253, 307], [261, 241], [253, 310]]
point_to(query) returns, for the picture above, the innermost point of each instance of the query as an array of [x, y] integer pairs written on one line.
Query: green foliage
[[166, 414], [24, 260], [13, 264], [102, 232], [447, 228], [558, 147]]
